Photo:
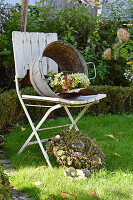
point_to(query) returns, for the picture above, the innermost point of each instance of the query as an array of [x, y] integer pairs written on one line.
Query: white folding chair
[[27, 50]]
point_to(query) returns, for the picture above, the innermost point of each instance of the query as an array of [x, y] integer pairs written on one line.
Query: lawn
[[113, 133]]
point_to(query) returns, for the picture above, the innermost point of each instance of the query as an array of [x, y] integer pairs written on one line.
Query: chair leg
[[38, 126], [77, 118], [72, 120], [35, 130]]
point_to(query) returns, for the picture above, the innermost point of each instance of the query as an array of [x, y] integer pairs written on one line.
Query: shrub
[[5, 188], [111, 71], [6, 51], [118, 100], [10, 109]]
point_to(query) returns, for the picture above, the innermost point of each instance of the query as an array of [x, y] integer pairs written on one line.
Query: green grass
[[113, 182]]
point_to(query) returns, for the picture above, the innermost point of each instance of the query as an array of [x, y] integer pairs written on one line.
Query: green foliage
[[125, 50], [5, 14], [6, 51], [10, 109], [74, 25], [108, 72], [71, 24], [5, 189]]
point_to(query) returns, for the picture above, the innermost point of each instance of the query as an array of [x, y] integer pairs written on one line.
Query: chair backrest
[[29, 46]]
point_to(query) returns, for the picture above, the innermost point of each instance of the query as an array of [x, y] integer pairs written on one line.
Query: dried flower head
[[116, 45], [123, 35], [107, 54]]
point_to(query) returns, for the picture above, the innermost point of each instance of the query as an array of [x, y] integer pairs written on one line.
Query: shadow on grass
[[33, 192]]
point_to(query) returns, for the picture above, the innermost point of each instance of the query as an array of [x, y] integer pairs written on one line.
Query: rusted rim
[[66, 56]]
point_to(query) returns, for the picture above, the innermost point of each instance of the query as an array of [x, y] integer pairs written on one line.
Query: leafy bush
[[10, 109], [6, 52], [5, 14], [5, 188], [109, 72]]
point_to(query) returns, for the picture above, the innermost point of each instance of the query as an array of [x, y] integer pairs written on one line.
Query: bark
[[24, 11]]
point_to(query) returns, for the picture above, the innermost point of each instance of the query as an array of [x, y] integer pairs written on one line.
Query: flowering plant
[[129, 75], [63, 81], [123, 48]]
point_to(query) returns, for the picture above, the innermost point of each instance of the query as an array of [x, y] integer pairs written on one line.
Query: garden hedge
[[118, 100]]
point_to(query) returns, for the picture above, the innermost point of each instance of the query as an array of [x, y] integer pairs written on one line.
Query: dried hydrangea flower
[[116, 45], [68, 81], [123, 35], [107, 54]]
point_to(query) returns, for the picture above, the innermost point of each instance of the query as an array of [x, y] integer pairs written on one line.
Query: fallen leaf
[[41, 167], [34, 157], [111, 136], [66, 195], [121, 133], [116, 154], [22, 128], [93, 194]]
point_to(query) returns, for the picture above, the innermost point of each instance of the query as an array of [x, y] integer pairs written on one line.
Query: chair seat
[[81, 100]]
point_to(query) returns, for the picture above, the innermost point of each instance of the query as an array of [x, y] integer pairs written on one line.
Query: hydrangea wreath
[[75, 149]]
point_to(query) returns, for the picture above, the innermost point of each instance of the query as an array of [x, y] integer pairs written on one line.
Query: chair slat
[[52, 66], [35, 50], [27, 51], [28, 47], [42, 45], [17, 38]]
